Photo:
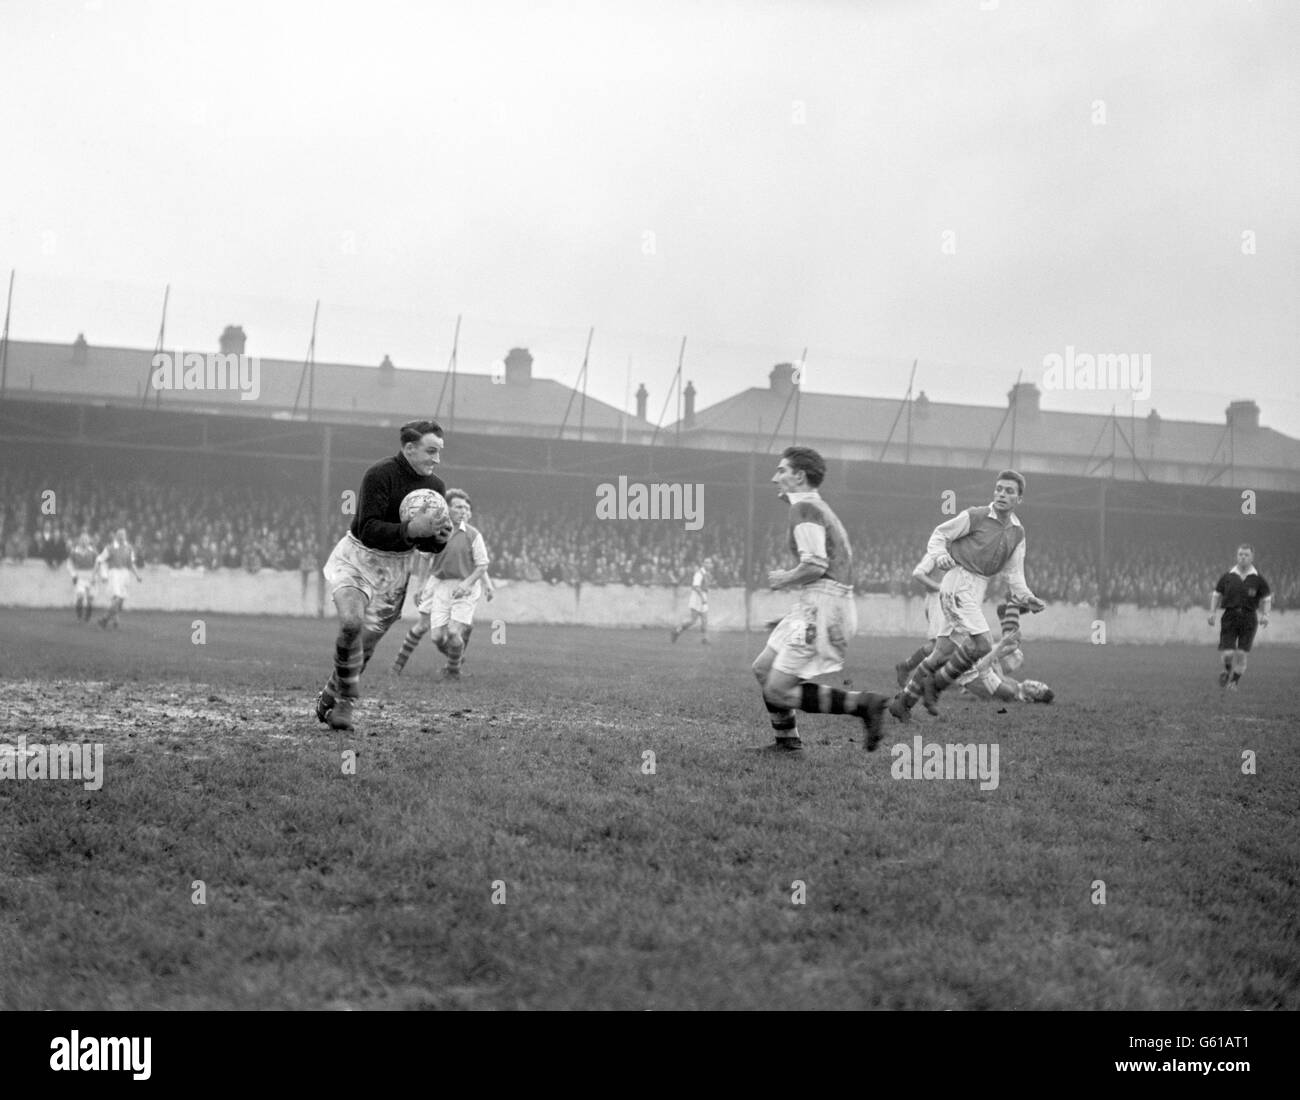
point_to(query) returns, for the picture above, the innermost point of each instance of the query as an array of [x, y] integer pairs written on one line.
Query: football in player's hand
[[425, 511]]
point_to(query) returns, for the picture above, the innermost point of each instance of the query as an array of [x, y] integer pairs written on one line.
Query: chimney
[[689, 394], [1025, 396], [387, 372], [642, 396], [79, 349], [1153, 423], [1243, 416], [921, 406], [519, 367], [781, 378], [232, 340]]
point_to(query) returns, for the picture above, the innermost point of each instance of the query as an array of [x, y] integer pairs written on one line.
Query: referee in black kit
[[369, 568], [1239, 593]]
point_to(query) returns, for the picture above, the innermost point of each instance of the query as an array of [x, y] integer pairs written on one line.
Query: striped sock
[[455, 651], [919, 656], [822, 699], [913, 691], [1008, 618], [783, 720], [370, 639], [961, 661], [409, 643], [346, 683]]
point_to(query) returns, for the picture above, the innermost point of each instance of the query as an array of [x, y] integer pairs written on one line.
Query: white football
[[424, 501]]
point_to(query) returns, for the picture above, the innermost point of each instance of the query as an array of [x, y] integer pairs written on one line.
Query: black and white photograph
[[782, 506]]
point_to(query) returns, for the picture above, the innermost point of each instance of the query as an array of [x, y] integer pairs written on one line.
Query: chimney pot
[[1243, 416]]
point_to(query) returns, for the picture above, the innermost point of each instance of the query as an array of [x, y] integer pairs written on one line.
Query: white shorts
[[82, 580], [813, 639], [437, 602], [119, 581], [699, 603], [961, 595], [380, 575], [934, 618]]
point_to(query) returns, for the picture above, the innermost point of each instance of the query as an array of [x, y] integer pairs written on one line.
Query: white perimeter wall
[[270, 592]]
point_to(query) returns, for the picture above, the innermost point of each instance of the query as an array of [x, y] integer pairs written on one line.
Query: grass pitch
[[527, 783]]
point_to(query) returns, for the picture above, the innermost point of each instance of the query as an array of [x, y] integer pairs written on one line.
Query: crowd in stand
[[564, 543], [223, 528]]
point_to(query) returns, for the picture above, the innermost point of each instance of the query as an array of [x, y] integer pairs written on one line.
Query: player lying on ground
[[1240, 591], [451, 591], [81, 564], [990, 678], [369, 569], [699, 605], [974, 546], [117, 563], [813, 638]]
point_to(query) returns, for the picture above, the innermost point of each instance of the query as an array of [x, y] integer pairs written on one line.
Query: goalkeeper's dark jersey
[[378, 522]]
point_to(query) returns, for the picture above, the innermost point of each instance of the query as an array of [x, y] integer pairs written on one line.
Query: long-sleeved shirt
[[817, 537], [378, 522], [982, 544]]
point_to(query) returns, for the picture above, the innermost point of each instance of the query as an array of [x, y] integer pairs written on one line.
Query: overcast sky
[[976, 189]]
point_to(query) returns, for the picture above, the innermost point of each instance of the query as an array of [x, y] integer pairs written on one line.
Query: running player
[[451, 592], [699, 604], [929, 575], [81, 564], [1239, 593], [813, 638], [489, 590], [369, 569], [118, 562], [974, 546]]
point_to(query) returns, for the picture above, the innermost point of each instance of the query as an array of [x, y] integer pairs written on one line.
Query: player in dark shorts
[[369, 569], [1239, 593]]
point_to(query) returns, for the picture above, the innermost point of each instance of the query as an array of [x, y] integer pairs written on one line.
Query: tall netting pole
[[1103, 597]]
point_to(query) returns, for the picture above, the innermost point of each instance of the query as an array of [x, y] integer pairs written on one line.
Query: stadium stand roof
[[1237, 452], [513, 403]]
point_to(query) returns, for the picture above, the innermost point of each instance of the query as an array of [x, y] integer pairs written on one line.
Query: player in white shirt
[[928, 574], [699, 603], [991, 676]]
